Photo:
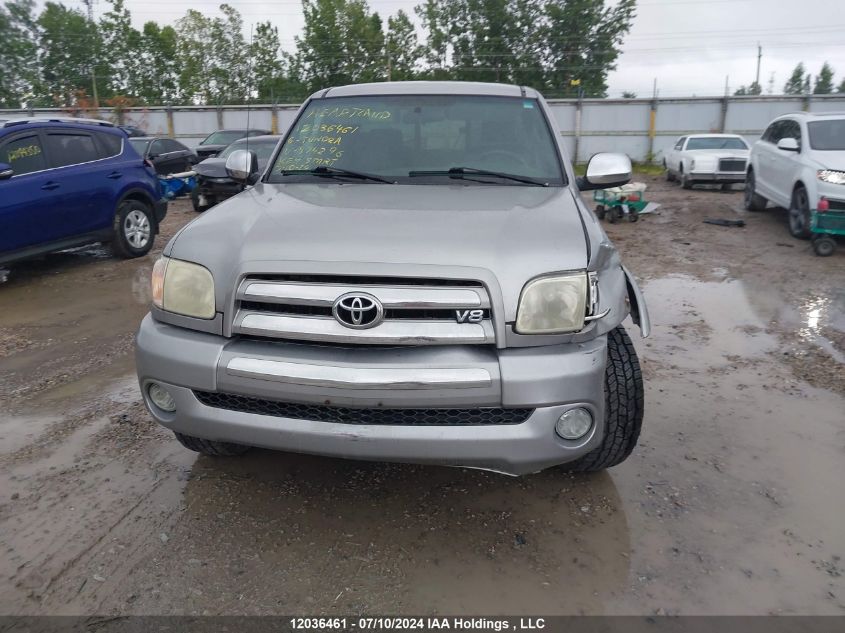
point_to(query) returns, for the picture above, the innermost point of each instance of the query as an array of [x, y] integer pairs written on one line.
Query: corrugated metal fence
[[642, 128]]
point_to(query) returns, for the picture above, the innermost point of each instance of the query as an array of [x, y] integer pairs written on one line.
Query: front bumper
[[549, 380], [720, 177], [217, 190]]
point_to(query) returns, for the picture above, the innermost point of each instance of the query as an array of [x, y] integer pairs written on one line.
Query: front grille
[[731, 164], [347, 415], [837, 205], [415, 311]]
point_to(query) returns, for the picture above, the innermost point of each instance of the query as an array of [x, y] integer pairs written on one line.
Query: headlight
[[183, 288], [553, 305], [832, 176]]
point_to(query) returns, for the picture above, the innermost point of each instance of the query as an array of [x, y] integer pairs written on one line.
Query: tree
[[629, 95], [158, 67], [18, 53], [342, 42], [824, 81], [584, 39], [752, 89], [213, 57], [230, 71], [841, 88], [401, 48], [795, 84], [484, 40], [121, 52], [69, 45], [267, 66]]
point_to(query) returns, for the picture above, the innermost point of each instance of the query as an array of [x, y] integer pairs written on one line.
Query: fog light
[[574, 424], [161, 397]]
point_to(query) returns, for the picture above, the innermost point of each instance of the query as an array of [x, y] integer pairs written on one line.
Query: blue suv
[[70, 182]]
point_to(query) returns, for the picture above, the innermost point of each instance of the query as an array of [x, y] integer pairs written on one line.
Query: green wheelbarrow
[[625, 202], [824, 224]]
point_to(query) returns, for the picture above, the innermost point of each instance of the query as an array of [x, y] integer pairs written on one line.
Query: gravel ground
[[728, 506]]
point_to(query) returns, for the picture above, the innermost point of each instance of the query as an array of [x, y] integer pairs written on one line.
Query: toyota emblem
[[358, 310]]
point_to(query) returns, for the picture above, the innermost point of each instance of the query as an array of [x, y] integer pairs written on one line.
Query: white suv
[[799, 160]]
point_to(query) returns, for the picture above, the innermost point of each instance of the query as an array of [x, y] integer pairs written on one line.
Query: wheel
[[210, 447], [195, 202], [686, 181], [134, 229], [669, 176], [614, 214], [799, 214], [824, 246], [624, 399], [753, 201], [633, 216], [600, 211]]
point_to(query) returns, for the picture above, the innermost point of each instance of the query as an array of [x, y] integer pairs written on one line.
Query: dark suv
[[69, 182]]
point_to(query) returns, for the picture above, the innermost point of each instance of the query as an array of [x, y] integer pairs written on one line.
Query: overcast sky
[[689, 46]]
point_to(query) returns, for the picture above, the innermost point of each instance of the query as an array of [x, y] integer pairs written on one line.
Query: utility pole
[[759, 57], [90, 5]]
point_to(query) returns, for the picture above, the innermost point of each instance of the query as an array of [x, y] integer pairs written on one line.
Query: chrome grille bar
[[360, 377], [391, 332], [391, 297]]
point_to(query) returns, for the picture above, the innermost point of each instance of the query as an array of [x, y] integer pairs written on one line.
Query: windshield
[[716, 142], [262, 149], [827, 135], [223, 138], [396, 135], [140, 146]]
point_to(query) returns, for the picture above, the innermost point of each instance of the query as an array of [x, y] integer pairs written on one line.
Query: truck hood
[[212, 168], [210, 149], [215, 167], [504, 235]]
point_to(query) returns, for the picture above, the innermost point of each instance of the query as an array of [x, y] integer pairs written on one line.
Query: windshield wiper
[[462, 172], [334, 172]]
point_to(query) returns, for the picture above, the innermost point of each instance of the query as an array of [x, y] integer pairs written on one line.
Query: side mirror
[[6, 171], [789, 144], [242, 165], [606, 170]]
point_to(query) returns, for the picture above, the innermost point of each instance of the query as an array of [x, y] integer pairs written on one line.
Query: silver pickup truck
[[414, 278]]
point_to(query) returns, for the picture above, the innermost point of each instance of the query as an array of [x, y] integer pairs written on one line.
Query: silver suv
[[412, 278]]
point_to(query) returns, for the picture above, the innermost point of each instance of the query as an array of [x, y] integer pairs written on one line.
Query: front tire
[[686, 182], [624, 399], [753, 201], [133, 228], [799, 214], [210, 447]]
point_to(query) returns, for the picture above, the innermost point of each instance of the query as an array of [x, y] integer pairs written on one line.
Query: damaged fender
[[639, 310]]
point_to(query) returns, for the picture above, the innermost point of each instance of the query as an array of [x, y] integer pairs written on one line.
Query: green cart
[[622, 202], [824, 225]]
